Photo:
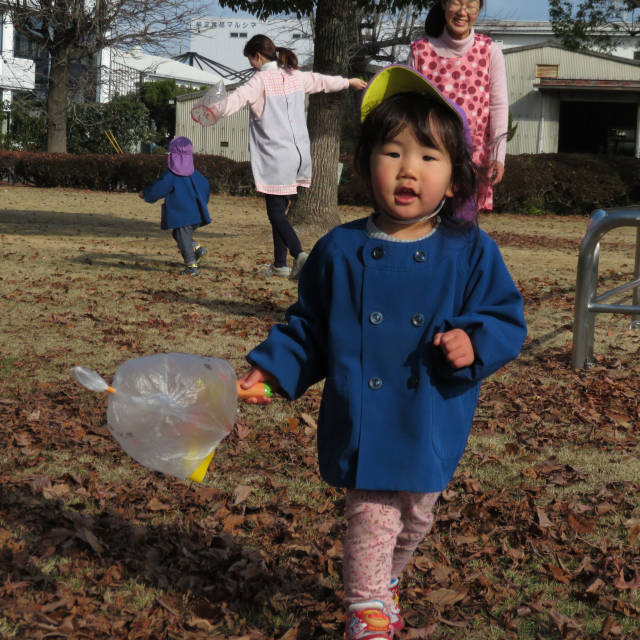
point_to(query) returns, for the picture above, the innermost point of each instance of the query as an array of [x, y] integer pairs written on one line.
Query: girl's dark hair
[[264, 45], [433, 125], [435, 22]]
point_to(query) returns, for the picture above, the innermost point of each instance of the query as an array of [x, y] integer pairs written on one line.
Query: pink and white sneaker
[[395, 615], [368, 621]]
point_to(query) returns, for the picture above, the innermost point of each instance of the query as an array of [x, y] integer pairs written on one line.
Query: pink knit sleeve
[[251, 93], [499, 102], [318, 83]]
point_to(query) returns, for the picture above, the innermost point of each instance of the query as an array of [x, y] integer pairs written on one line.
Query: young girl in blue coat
[[186, 195], [403, 314]]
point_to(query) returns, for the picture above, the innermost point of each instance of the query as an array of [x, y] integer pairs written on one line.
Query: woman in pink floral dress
[[469, 69]]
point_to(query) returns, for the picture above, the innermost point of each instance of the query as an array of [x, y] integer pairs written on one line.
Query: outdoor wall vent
[[547, 70], [224, 144]]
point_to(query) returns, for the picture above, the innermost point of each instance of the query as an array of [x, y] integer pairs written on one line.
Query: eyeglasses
[[472, 8]]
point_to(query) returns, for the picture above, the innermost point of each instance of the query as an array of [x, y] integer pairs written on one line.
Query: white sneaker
[[282, 272], [298, 263]]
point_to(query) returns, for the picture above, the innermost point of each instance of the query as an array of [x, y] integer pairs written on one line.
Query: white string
[[414, 220]]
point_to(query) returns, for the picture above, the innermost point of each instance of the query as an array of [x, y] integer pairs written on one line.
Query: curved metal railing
[[588, 302]]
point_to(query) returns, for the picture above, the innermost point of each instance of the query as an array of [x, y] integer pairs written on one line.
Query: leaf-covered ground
[[536, 537]]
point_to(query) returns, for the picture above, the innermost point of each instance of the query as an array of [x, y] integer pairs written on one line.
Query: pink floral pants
[[384, 528]]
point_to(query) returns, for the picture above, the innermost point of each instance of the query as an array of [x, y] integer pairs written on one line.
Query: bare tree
[[596, 24], [333, 23], [380, 33], [68, 30]]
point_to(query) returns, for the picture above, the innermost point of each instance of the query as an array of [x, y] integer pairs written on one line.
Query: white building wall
[[16, 74], [213, 38]]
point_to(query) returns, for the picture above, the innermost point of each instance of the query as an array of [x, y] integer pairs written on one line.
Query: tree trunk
[[57, 103], [317, 207]]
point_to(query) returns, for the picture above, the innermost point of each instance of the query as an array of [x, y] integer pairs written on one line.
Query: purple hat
[[181, 156]]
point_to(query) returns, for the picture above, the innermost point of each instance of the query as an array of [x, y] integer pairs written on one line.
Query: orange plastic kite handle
[[260, 390]]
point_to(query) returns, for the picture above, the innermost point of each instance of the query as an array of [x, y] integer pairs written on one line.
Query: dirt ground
[[67, 254], [535, 538]]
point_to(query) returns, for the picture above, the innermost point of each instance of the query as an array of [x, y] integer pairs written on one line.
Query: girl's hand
[[357, 83], [496, 171], [457, 346], [253, 377], [141, 195]]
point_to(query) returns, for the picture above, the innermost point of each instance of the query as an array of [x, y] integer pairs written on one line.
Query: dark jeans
[[284, 235], [184, 237]]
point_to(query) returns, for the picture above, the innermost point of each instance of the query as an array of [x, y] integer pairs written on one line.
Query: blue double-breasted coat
[[395, 415], [186, 199]]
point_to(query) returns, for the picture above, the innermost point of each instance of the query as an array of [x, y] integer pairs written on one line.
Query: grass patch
[[110, 549]]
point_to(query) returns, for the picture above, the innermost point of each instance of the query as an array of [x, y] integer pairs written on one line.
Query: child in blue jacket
[[186, 193], [402, 314]]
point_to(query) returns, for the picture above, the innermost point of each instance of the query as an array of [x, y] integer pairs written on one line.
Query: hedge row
[[125, 172], [560, 183], [567, 183], [533, 184]]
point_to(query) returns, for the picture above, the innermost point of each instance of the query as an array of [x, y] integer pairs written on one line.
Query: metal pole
[[587, 303], [584, 322], [635, 318]]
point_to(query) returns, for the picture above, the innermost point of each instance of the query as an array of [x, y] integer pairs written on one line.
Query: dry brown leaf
[[633, 535], [582, 525], [561, 623], [611, 626], [336, 550], [233, 521], [92, 540], [543, 519], [241, 492], [449, 596], [291, 634], [156, 505], [61, 489], [309, 421]]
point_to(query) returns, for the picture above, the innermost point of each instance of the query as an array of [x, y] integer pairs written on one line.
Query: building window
[[547, 70], [23, 47], [224, 144], [243, 35], [233, 34], [636, 55], [297, 35]]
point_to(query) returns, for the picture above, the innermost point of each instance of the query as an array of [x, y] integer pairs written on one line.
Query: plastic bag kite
[[210, 108], [169, 412]]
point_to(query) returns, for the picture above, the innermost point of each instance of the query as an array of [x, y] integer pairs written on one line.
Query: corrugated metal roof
[[582, 52]]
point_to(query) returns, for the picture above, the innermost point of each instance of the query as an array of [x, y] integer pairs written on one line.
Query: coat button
[[417, 320], [412, 382], [419, 256], [377, 253], [375, 317], [375, 383]]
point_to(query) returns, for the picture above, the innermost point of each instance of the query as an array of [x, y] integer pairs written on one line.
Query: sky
[[501, 9], [517, 9]]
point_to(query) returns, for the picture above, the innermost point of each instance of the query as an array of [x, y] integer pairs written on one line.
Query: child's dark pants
[[184, 237], [284, 235]]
